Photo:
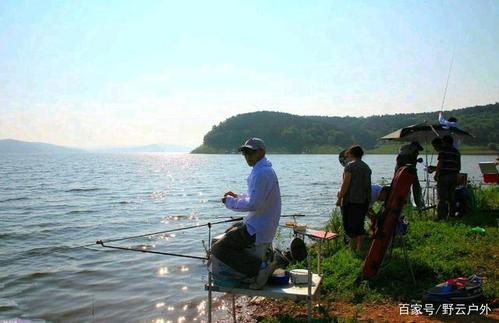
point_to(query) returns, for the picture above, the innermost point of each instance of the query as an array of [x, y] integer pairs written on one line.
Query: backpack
[[460, 290]]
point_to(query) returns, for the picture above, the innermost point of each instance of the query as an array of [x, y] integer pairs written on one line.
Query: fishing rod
[[102, 243], [99, 242], [209, 224], [447, 83], [230, 219], [427, 175], [292, 215], [150, 251]]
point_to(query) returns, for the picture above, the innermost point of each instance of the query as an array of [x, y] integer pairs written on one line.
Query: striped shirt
[[450, 160]]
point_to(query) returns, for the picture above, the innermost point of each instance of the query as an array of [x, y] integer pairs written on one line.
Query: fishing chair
[[399, 235]]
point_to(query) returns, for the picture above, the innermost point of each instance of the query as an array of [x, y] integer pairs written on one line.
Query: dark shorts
[[353, 218], [232, 250]]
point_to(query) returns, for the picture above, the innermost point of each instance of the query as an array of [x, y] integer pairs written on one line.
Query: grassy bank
[[438, 250]]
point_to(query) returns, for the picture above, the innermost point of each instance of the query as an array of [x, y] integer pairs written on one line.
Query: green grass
[[486, 197], [438, 250]]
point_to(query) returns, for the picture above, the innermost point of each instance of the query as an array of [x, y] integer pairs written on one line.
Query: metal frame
[[313, 285]]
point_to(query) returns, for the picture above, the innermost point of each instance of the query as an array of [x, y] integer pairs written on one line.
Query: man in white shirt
[[447, 124], [245, 246]]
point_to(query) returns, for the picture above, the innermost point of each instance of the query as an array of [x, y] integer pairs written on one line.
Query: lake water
[[51, 203]]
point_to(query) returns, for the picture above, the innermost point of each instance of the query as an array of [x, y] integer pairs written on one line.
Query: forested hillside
[[287, 133]]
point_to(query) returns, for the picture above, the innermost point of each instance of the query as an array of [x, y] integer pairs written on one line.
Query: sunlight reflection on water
[[49, 202]]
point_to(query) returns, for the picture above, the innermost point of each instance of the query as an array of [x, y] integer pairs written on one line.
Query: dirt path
[[251, 310]]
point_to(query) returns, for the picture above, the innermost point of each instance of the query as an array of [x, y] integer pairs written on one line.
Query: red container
[[491, 178]]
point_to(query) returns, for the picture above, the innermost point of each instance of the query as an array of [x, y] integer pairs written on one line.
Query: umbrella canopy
[[424, 132]]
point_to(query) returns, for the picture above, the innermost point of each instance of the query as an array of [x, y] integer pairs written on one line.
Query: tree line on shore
[[288, 133]]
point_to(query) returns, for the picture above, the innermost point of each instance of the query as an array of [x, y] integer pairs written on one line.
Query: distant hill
[[288, 133], [18, 146], [156, 148]]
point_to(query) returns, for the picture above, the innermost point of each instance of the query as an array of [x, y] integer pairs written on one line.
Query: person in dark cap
[[246, 245], [408, 156]]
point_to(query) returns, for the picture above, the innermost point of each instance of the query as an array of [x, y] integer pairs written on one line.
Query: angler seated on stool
[[236, 259], [245, 246]]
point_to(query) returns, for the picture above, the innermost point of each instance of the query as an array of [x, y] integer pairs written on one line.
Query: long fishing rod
[[231, 219], [150, 251], [427, 177], [168, 231], [209, 224], [447, 83], [99, 242], [103, 243], [292, 215]]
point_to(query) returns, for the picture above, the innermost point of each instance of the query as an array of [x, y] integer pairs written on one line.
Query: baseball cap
[[253, 144]]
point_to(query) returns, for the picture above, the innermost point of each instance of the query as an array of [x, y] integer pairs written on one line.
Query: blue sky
[[100, 73]]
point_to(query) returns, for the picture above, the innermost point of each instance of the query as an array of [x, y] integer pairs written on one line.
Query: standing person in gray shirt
[[354, 197]]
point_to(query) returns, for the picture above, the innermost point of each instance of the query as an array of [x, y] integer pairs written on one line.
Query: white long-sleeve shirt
[[262, 201], [446, 123]]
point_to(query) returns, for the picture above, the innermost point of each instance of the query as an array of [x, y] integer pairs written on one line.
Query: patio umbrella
[[424, 132]]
